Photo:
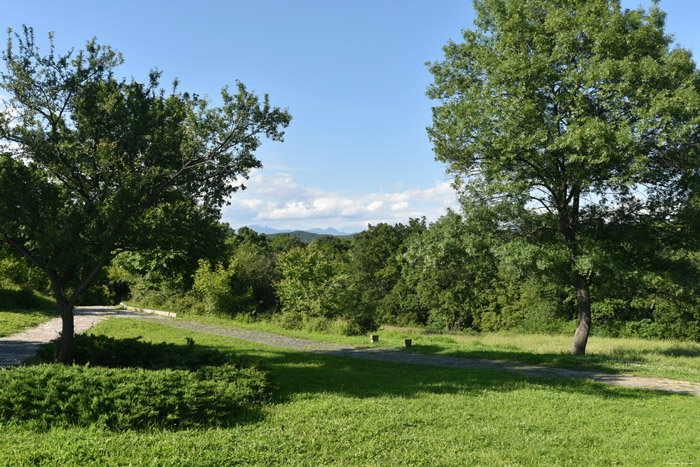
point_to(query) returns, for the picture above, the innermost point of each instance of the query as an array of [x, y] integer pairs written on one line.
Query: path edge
[[169, 314]]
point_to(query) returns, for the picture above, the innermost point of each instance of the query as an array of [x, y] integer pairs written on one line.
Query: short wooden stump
[[374, 338], [407, 342]]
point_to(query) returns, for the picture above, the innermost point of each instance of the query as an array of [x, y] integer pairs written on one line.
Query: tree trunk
[[583, 301], [65, 354]]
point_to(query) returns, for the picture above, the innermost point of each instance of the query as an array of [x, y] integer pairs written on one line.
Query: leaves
[[560, 117], [92, 163]]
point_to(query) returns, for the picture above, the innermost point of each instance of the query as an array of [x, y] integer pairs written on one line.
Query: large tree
[[563, 117], [92, 164]]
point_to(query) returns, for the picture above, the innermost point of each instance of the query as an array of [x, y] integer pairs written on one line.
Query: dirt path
[[19, 347]]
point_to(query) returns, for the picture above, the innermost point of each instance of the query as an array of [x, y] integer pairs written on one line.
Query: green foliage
[[285, 242], [24, 299], [451, 271], [335, 248], [100, 165], [185, 240], [100, 350], [306, 237], [256, 267], [568, 121], [376, 275], [127, 383], [15, 271], [312, 286], [22, 309], [221, 290], [47, 396]]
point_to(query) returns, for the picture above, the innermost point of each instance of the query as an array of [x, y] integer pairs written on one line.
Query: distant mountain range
[[270, 231]]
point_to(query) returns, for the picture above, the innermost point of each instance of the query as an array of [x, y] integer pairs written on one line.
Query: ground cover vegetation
[[120, 384], [327, 410]]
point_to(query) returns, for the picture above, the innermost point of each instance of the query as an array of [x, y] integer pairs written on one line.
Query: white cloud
[[276, 200]]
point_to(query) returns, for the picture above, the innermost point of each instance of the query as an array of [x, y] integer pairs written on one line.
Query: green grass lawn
[[329, 410], [641, 357], [22, 310]]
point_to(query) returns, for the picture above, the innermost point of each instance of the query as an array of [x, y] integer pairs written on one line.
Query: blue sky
[[352, 73]]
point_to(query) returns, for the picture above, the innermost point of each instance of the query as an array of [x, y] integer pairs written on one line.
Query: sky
[[352, 73]]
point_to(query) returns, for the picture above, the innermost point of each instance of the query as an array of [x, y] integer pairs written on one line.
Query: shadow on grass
[[100, 350], [19, 301], [307, 373], [595, 362], [677, 351]]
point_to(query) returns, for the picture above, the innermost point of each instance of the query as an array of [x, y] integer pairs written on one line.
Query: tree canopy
[[567, 122], [93, 165]]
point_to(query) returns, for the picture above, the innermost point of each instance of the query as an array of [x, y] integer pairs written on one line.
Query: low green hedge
[[48, 395], [100, 350], [124, 384]]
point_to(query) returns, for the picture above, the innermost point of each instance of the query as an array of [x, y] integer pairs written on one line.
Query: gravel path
[[19, 347]]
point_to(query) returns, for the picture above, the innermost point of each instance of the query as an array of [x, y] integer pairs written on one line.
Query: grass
[[641, 357], [20, 310], [329, 410]]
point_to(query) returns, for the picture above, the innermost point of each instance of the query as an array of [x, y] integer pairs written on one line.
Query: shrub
[[50, 395], [99, 350], [312, 285], [221, 290], [128, 384]]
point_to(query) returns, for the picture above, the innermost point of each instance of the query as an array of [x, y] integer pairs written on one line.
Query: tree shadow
[[677, 351], [590, 362], [297, 372], [104, 351], [26, 301]]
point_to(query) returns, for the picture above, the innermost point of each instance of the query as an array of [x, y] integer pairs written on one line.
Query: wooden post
[[374, 338], [407, 343]]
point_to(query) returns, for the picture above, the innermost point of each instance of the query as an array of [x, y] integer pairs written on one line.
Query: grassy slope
[[20, 311], [343, 411]]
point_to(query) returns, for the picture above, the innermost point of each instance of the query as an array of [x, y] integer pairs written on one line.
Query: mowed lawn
[[341, 411]]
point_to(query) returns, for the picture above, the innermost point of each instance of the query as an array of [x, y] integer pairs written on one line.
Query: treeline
[[447, 275]]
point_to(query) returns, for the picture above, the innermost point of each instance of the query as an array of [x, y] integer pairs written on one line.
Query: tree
[[451, 269], [91, 164], [257, 266], [375, 270], [311, 285], [559, 116], [221, 290], [335, 248]]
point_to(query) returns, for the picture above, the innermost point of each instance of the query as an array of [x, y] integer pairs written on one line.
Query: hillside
[[303, 235], [307, 237]]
